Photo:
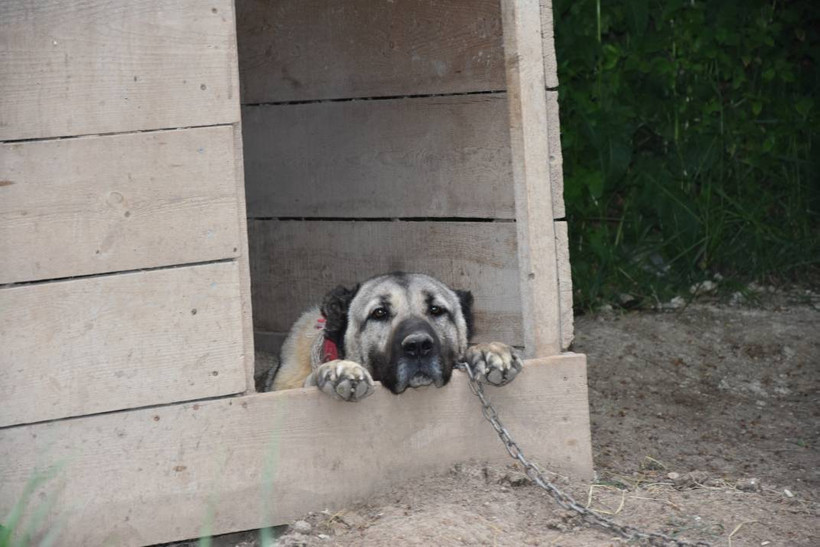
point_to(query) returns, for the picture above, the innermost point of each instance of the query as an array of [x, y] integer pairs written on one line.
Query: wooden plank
[[556, 157], [295, 263], [75, 68], [564, 284], [548, 45], [422, 157], [106, 343], [529, 142], [164, 474], [243, 262], [100, 204], [270, 342], [314, 49]]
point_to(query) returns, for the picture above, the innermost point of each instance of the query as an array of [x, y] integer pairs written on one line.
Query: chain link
[[564, 500]]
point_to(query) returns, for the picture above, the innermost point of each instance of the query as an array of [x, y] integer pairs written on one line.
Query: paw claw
[[344, 380], [494, 363]]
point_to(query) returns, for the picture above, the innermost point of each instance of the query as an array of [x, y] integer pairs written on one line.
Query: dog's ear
[[465, 298], [334, 309]]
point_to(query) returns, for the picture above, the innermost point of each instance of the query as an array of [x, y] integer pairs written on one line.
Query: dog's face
[[406, 329]]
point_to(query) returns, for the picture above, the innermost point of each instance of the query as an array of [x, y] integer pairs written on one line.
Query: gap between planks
[[114, 133], [114, 273], [379, 98]]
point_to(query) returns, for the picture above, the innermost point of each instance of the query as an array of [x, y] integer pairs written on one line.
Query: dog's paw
[[344, 380], [494, 363]]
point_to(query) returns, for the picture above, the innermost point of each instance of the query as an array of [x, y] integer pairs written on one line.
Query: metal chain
[[564, 500]]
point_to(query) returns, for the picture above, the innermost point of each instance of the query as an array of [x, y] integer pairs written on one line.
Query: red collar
[[330, 351]]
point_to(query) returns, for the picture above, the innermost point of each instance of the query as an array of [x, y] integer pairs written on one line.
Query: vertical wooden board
[[75, 68], [548, 45], [420, 157], [529, 142], [295, 263], [164, 474], [314, 49], [97, 344], [100, 204], [564, 284], [556, 157], [243, 263]]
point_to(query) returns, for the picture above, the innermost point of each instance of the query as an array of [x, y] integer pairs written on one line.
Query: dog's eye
[[436, 311], [378, 313]]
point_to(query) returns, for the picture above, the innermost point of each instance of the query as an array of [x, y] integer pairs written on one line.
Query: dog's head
[[406, 329]]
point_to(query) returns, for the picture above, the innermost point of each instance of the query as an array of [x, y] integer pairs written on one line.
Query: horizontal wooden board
[[398, 158], [164, 474], [424, 157], [76, 68], [315, 49], [91, 345], [100, 204], [295, 263]]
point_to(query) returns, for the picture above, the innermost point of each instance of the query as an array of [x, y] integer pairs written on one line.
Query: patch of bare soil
[[704, 426]]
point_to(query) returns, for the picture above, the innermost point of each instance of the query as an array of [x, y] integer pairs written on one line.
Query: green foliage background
[[689, 134]]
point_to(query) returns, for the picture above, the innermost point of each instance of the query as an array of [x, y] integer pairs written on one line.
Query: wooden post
[[537, 259]]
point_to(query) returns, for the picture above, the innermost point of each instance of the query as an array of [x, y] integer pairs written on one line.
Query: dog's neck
[[330, 350]]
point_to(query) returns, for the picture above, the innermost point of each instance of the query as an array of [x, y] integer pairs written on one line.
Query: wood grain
[[100, 204], [556, 157], [243, 263], [564, 284], [314, 49], [295, 263], [419, 157], [529, 140], [548, 45], [157, 475], [106, 343], [423, 157], [76, 68]]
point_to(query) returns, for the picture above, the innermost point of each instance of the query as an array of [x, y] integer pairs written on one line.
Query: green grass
[[17, 530], [688, 132]]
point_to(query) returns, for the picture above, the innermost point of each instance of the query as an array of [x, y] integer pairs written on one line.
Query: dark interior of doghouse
[[376, 139]]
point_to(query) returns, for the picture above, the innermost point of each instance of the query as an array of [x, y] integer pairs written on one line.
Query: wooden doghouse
[[378, 136]]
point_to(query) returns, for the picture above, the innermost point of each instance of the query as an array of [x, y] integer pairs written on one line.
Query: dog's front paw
[[344, 380], [494, 363]]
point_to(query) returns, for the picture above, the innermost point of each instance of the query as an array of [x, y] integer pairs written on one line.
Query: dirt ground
[[704, 427]]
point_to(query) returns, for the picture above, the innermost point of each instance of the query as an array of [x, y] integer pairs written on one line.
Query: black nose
[[418, 345]]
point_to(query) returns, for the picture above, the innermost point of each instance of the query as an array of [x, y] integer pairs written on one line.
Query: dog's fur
[[402, 329]]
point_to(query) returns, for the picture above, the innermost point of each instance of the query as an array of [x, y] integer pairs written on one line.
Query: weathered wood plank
[[75, 68], [100, 204], [243, 262], [422, 157], [164, 474], [556, 157], [548, 45], [314, 49], [529, 142], [295, 263], [564, 284], [105, 343]]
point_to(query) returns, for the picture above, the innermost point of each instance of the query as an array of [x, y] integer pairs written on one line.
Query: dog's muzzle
[[417, 353]]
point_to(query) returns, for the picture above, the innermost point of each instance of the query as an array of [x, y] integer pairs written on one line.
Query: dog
[[405, 330]]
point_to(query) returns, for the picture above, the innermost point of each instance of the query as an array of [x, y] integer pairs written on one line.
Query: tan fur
[[297, 351]]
